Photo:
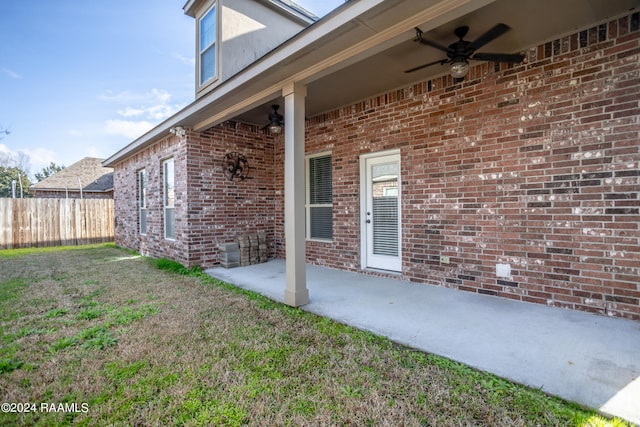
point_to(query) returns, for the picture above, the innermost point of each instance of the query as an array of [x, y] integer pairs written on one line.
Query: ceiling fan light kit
[[459, 69], [276, 121], [459, 53]]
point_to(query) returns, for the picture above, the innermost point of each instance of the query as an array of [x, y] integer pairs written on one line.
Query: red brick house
[[519, 180], [85, 179]]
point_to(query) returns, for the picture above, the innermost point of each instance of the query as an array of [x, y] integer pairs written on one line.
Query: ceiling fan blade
[[435, 45], [493, 33], [442, 61], [425, 42], [515, 58]]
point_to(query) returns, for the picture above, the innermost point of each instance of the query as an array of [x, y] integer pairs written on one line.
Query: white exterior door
[[381, 220]]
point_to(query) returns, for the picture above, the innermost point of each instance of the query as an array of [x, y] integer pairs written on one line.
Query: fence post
[[6, 224]]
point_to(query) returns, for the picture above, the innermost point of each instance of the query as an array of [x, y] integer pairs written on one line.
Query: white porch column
[[296, 292]]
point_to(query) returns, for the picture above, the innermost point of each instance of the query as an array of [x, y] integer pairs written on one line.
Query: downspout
[[80, 185]]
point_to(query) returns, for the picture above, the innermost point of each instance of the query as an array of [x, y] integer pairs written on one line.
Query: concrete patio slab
[[589, 359]]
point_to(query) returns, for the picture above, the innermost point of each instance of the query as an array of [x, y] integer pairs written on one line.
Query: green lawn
[[101, 336]]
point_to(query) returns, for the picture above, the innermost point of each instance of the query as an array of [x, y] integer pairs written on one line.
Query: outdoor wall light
[[459, 68], [275, 121], [178, 131]]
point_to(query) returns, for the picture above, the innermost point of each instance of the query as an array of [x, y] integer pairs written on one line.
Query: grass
[[149, 342]]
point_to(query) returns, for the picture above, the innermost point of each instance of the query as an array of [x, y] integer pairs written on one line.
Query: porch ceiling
[[363, 47], [381, 68]]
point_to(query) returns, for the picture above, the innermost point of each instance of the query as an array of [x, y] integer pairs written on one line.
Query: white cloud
[[154, 96], [131, 112], [98, 152], [185, 60], [154, 112], [143, 111], [5, 152], [40, 157], [36, 158], [122, 97], [11, 73], [160, 112], [129, 128]]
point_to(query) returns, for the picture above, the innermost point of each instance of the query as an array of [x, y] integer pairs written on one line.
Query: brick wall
[[209, 208], [71, 194], [535, 166], [221, 209], [125, 181]]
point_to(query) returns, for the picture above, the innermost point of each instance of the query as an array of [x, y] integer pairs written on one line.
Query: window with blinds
[[385, 226], [142, 200], [319, 206], [169, 199], [385, 208]]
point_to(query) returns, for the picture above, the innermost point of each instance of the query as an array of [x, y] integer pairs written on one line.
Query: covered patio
[[519, 178], [590, 359]]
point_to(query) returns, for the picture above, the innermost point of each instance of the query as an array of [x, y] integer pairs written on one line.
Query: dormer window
[[230, 35], [208, 45]]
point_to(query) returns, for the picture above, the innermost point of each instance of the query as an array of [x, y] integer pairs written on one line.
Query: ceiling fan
[[275, 121], [459, 53]]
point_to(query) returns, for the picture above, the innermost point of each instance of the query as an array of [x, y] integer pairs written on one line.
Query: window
[[207, 45], [142, 200], [319, 203], [169, 199]]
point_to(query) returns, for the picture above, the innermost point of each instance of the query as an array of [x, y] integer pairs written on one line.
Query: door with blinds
[[381, 189]]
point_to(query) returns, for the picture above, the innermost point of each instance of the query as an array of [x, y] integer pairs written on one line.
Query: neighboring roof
[[104, 183], [88, 172]]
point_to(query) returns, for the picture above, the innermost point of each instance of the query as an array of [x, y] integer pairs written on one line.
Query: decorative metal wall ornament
[[236, 166]]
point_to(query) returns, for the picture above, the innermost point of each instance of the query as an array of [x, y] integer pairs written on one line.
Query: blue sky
[[84, 78]]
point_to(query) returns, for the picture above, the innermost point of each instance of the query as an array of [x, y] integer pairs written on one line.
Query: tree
[[47, 171], [14, 167], [9, 174]]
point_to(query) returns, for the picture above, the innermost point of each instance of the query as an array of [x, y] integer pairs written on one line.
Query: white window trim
[[199, 83], [142, 201], [307, 204], [164, 197]]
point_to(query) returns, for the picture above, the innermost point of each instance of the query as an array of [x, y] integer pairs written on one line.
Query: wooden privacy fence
[[55, 222]]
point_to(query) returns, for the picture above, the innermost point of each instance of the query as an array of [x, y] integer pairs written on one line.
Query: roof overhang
[[285, 7], [333, 42], [362, 49]]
